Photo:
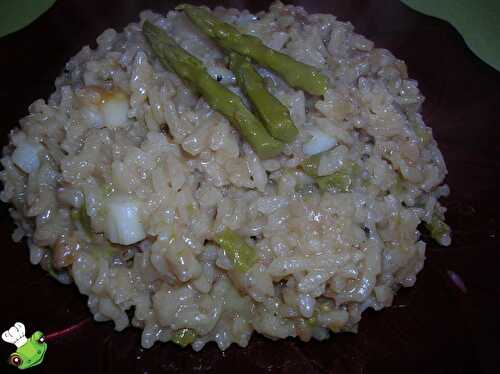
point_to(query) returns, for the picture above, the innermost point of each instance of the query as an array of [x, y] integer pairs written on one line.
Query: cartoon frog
[[29, 352]]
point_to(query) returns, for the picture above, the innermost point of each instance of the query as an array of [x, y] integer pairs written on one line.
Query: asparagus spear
[[192, 71], [341, 179], [272, 112], [241, 254], [295, 73]]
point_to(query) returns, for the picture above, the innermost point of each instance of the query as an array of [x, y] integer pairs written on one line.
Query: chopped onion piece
[[123, 223], [319, 142], [26, 156]]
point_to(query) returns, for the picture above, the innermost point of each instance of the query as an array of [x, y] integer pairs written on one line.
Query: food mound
[[214, 172]]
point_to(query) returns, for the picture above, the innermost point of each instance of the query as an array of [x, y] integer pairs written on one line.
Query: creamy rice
[[121, 180]]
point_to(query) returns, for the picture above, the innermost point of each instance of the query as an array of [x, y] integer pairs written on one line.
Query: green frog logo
[[29, 352]]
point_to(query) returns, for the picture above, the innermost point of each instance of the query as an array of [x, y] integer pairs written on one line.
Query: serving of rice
[[121, 180]]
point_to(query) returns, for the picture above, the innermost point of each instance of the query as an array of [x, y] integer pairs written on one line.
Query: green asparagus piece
[[310, 165], [192, 71], [341, 179], [438, 229], [184, 337], [295, 73], [240, 253], [272, 112]]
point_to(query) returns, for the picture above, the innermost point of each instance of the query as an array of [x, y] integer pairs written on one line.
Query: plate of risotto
[[207, 177]]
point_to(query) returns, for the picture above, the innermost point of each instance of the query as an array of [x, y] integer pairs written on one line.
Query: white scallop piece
[[115, 111], [123, 223]]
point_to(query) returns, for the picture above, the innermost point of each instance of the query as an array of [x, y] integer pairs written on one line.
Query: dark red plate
[[432, 328]]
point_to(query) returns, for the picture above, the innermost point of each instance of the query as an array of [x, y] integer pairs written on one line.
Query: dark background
[[432, 328]]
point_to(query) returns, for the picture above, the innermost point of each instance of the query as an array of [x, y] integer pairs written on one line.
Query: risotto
[[130, 184]]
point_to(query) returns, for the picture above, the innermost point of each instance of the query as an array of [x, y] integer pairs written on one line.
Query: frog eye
[[41, 339], [15, 360]]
